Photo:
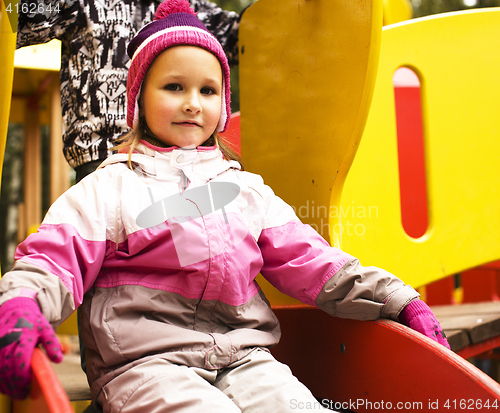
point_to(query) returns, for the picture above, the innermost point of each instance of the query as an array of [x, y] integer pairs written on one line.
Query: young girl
[[160, 248]]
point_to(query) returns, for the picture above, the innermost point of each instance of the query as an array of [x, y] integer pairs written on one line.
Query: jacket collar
[[175, 164]]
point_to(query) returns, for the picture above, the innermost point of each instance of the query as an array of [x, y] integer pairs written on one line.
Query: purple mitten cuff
[[414, 308], [418, 316], [22, 328]]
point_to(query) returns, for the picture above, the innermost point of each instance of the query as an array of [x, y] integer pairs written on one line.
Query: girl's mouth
[[188, 123]]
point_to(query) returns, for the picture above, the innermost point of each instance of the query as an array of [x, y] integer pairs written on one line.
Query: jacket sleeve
[[301, 264], [60, 262], [43, 20]]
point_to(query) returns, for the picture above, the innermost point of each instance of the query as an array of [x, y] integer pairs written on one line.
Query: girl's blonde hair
[[130, 141]]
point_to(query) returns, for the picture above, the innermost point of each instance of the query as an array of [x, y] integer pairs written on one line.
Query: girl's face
[[182, 95]]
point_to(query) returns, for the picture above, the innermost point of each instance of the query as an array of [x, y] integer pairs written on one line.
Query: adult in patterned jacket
[[94, 63]]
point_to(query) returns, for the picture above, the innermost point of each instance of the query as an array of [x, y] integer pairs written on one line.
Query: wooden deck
[[73, 378], [472, 329]]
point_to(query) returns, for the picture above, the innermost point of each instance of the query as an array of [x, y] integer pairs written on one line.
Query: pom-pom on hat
[[175, 24]]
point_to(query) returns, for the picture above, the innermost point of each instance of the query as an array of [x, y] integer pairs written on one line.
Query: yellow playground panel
[[456, 59], [305, 95], [396, 11]]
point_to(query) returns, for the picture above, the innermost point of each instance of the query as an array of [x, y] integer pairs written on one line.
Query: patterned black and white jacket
[[94, 61]]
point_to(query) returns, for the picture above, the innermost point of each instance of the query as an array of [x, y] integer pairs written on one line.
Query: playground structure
[[303, 114], [36, 101]]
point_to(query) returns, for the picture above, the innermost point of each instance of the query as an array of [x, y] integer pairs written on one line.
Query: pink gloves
[[418, 316], [22, 327]]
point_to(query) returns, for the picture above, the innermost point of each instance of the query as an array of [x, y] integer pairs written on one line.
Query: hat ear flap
[[137, 108]]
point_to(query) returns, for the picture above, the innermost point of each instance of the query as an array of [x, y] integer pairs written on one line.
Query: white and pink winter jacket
[[162, 260]]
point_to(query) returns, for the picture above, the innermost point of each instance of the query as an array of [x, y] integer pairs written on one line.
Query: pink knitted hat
[[175, 24]]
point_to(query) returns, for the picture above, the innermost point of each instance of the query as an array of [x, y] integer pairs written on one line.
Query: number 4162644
[[33, 8], [470, 404]]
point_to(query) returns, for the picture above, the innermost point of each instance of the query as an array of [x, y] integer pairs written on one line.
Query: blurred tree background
[[11, 188], [428, 7], [420, 7], [234, 5]]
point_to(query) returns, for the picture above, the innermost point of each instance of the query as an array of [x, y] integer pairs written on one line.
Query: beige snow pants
[[256, 384]]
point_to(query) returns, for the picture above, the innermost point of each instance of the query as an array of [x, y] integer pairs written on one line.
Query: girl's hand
[[418, 316], [22, 328]]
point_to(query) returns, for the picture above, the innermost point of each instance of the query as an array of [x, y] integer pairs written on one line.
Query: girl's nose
[[192, 103]]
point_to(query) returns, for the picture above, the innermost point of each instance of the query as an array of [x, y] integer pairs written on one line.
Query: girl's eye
[[207, 91], [173, 87]]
